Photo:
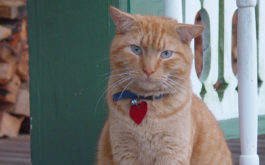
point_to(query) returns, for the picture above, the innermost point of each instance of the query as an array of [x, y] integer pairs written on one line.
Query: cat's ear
[[188, 32], [123, 21]]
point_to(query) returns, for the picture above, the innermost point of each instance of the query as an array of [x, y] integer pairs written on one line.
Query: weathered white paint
[[229, 103], [261, 50], [191, 8], [173, 9], [247, 81], [211, 97], [227, 108]]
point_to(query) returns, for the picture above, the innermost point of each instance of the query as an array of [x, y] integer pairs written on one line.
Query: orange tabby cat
[[167, 125]]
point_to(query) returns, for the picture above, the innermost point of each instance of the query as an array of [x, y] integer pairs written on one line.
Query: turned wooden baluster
[[247, 82]]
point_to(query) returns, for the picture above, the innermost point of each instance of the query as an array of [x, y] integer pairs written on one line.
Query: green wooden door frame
[[69, 43]]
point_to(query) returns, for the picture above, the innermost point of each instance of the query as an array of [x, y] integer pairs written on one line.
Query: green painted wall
[[150, 7], [69, 42]]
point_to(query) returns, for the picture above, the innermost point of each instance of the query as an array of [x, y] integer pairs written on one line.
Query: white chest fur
[[154, 141]]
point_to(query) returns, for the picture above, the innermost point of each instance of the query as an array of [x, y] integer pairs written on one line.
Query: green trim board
[[69, 44], [150, 7], [231, 127], [124, 5]]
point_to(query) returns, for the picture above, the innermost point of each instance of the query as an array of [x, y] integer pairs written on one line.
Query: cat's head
[[151, 54]]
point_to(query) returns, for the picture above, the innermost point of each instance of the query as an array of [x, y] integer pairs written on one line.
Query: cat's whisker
[[106, 78], [177, 77], [176, 83], [100, 97], [115, 75], [169, 88], [172, 85], [129, 83], [115, 70], [119, 82], [121, 74]]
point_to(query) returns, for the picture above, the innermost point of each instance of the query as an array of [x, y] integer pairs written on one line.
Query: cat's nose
[[148, 72]]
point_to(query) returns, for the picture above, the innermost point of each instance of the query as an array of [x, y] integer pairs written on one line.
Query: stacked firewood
[[14, 68]]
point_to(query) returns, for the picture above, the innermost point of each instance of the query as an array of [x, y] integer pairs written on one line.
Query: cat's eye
[[136, 50], [166, 54]]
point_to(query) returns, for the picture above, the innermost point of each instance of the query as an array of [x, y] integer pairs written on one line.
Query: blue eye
[[166, 54], [136, 50]]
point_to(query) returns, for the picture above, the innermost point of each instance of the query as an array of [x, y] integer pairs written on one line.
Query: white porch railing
[[227, 107], [247, 66]]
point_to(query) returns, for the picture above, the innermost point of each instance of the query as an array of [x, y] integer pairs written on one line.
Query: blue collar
[[130, 95]]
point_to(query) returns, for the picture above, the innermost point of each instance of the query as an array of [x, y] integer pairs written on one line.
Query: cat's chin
[[146, 93], [148, 89]]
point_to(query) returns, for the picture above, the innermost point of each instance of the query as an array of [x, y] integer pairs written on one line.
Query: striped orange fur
[[178, 129]]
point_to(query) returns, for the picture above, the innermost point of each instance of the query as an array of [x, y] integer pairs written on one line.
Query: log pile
[[14, 68]]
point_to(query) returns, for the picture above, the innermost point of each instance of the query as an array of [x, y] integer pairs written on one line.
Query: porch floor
[[16, 151]]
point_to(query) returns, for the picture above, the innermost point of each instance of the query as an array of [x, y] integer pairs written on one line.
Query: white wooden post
[[173, 9], [247, 81]]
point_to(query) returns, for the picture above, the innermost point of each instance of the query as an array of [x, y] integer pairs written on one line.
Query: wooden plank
[[4, 32], [9, 125], [21, 107], [12, 9], [6, 53], [15, 151], [7, 71], [14, 148], [8, 92], [14, 160], [15, 43], [18, 148], [13, 25], [234, 145], [23, 66], [24, 31], [15, 154]]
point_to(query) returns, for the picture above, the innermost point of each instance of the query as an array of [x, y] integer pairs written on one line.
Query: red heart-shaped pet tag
[[138, 112]]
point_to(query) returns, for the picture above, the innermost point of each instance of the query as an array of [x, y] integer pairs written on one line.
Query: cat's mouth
[[147, 86], [148, 80]]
